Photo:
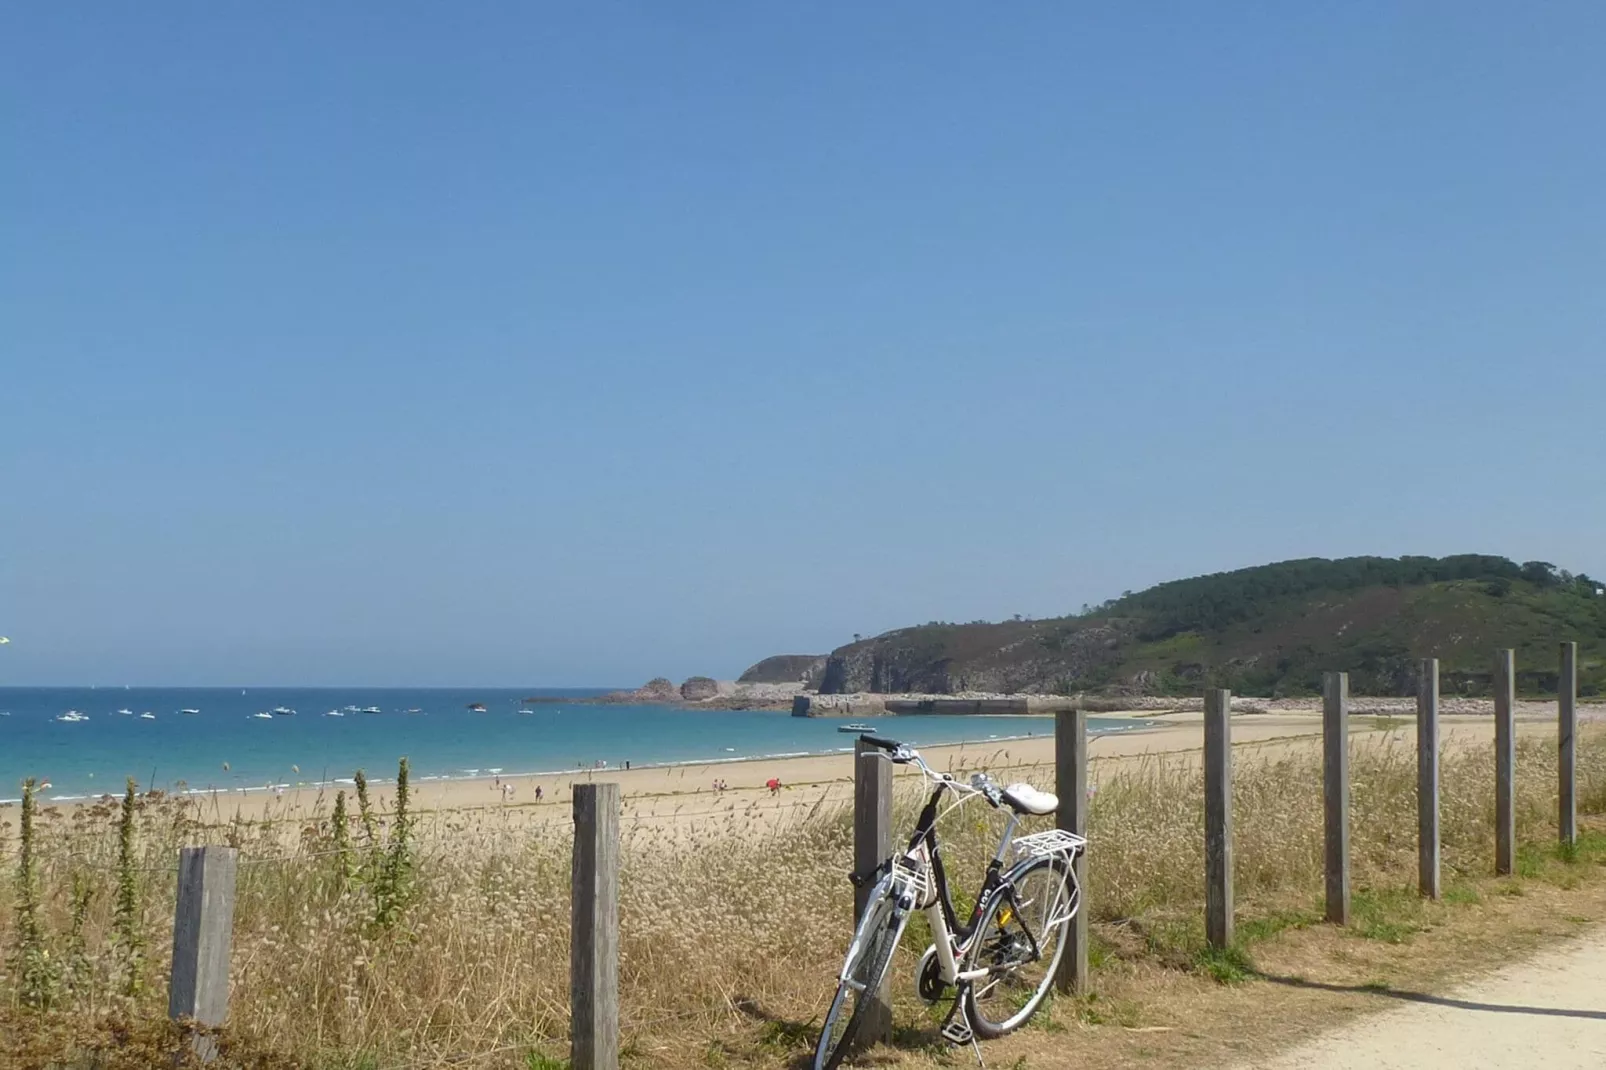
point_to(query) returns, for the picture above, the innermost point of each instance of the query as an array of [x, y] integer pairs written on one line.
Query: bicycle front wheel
[[1020, 941], [866, 967]]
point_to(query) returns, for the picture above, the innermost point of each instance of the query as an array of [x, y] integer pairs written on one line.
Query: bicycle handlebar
[[902, 754]]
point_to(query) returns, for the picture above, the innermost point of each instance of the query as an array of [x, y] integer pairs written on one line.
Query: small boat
[[415, 709], [191, 713], [477, 707], [147, 716], [333, 713], [856, 726], [73, 716], [263, 715], [126, 713], [353, 709], [284, 711], [372, 709]]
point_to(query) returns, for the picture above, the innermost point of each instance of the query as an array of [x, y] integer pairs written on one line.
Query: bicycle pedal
[[958, 1032]]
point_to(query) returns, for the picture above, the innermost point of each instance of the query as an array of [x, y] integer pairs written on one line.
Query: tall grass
[[444, 937]]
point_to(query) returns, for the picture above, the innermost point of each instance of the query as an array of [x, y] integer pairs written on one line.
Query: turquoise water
[[444, 738]]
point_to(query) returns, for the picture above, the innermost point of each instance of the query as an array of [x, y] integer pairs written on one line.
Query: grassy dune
[[409, 942]]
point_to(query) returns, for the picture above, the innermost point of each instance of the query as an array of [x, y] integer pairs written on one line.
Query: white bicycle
[[1001, 963]]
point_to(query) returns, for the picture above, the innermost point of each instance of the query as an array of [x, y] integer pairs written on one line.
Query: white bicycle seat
[[1028, 800]]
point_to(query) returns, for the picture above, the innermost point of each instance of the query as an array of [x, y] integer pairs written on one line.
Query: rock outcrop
[[699, 688], [655, 692]]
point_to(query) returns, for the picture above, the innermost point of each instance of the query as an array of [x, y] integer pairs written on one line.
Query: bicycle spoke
[[1020, 946]]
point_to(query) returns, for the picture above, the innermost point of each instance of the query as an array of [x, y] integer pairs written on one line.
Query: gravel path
[[1548, 1011]]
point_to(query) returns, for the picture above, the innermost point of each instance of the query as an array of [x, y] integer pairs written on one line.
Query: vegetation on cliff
[[1268, 630]]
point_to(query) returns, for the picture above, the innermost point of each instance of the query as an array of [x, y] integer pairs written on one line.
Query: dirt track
[[1548, 1011]]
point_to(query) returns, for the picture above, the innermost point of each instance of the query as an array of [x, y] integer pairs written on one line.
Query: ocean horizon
[[237, 742]]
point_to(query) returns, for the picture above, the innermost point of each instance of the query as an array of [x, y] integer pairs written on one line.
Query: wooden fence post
[[1070, 783], [594, 930], [1427, 778], [1567, 728], [1505, 763], [203, 929], [1335, 792], [1218, 817], [872, 845]]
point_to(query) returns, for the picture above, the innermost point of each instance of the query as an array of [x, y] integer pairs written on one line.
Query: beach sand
[[686, 792]]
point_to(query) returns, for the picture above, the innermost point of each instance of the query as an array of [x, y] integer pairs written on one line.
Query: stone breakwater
[[702, 692]]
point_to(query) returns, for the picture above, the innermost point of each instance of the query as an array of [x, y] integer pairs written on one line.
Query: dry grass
[[732, 924]]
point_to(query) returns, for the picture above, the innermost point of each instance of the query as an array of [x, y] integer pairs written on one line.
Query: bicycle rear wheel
[[868, 959], [1020, 941]]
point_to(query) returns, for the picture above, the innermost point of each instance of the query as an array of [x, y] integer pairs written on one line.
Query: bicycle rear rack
[[1066, 845]]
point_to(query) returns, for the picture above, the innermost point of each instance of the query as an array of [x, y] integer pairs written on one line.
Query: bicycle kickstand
[[956, 1027]]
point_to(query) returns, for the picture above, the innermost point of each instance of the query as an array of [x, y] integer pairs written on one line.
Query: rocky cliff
[[1039, 657], [785, 669]]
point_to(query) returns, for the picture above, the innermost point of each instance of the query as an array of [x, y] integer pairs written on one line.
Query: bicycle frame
[[952, 938]]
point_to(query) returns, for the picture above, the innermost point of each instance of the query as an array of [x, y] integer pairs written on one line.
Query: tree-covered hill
[[1268, 630]]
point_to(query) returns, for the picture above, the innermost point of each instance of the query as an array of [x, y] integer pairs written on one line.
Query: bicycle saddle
[[1025, 799]]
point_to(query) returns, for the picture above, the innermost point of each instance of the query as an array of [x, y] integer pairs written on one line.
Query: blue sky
[[570, 344]]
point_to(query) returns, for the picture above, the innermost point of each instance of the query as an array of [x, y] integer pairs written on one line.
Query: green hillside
[[1269, 630]]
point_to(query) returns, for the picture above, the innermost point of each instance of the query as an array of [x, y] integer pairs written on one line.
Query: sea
[[229, 745]]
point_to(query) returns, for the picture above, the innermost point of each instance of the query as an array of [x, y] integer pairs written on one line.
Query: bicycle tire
[[870, 969], [996, 940]]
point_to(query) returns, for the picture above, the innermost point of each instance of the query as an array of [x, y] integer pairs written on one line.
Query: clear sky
[[579, 343]]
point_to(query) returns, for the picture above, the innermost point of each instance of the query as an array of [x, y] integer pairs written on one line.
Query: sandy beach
[[687, 792]]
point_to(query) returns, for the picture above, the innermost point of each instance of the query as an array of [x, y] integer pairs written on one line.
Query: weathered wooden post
[[1335, 792], [1218, 817], [594, 930], [203, 929], [1070, 783], [872, 845], [1427, 778], [1567, 728], [1505, 763]]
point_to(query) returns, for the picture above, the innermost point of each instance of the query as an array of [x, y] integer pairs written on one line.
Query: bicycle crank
[[928, 978]]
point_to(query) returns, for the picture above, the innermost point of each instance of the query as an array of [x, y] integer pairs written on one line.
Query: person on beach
[[774, 784], [538, 793]]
